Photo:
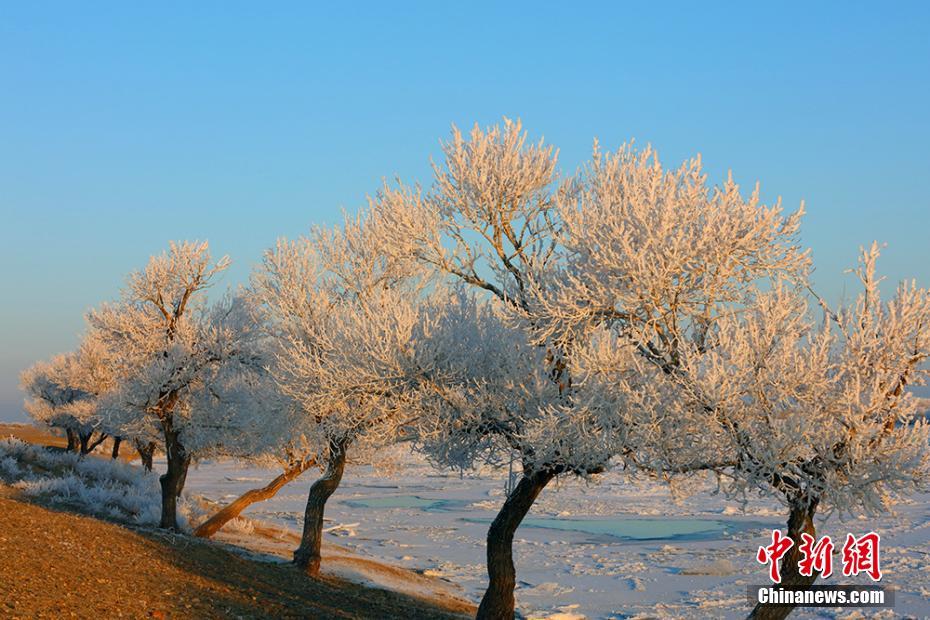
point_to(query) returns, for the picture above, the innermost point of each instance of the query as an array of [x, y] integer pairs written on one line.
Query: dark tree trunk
[[800, 521], [172, 481], [88, 443], [146, 451], [74, 442], [307, 556], [116, 442], [182, 481], [212, 525], [498, 602]]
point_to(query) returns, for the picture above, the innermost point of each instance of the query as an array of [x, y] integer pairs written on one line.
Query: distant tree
[[173, 354], [49, 400], [64, 392]]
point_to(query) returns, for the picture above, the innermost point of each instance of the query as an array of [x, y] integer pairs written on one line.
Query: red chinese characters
[[773, 553], [860, 555], [817, 557]]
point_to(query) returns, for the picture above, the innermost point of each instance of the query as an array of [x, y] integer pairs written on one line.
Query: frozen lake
[[629, 528], [609, 549]]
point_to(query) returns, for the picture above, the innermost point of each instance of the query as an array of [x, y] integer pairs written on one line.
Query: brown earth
[[57, 564], [32, 434]]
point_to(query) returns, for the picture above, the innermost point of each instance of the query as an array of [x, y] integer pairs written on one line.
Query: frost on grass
[[9, 467], [239, 526], [102, 487]]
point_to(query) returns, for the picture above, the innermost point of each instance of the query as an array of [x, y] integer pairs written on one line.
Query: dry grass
[[32, 434]]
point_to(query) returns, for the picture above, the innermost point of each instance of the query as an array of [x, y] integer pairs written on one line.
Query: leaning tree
[[343, 314], [287, 440], [173, 352]]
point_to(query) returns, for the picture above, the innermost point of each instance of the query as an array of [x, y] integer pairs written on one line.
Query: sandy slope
[[30, 433], [278, 543], [56, 564]]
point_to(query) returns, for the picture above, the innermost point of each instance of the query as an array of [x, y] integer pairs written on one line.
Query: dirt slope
[[57, 564]]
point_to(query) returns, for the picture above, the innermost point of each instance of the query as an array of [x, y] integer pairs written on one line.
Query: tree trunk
[[212, 525], [74, 443], [172, 481], [498, 602], [116, 442], [146, 451], [307, 556], [88, 443], [182, 481], [800, 521]]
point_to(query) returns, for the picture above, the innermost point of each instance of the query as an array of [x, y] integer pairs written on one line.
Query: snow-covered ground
[[603, 550]]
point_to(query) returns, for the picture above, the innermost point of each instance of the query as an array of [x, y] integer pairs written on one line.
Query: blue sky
[[125, 125]]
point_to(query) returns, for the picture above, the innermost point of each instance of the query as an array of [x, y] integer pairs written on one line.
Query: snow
[[435, 524]]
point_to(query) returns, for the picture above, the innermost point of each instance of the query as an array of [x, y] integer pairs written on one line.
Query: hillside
[[56, 564]]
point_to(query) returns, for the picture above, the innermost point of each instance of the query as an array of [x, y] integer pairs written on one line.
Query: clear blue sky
[[125, 125]]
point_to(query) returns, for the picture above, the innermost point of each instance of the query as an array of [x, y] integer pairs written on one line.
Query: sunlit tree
[[343, 314], [627, 260], [689, 312], [64, 393], [817, 411], [174, 354]]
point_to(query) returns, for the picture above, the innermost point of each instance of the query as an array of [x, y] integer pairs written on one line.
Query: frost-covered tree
[[654, 260], [343, 315], [288, 442], [817, 411], [50, 400], [174, 356], [618, 268], [687, 312], [490, 222], [498, 401], [64, 391]]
